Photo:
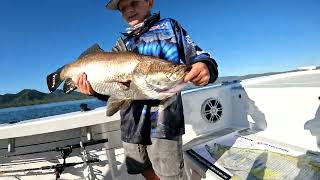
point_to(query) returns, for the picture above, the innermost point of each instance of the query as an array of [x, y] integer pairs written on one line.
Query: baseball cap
[[112, 4]]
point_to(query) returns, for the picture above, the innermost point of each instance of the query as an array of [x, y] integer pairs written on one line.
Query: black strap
[[147, 25]]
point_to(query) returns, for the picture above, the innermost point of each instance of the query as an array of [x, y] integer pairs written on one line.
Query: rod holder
[[89, 134], [11, 145]]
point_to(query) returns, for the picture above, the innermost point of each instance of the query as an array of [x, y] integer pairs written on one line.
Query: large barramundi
[[124, 76]]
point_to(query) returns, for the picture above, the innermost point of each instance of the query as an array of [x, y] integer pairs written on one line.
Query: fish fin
[[69, 86], [166, 102], [120, 86], [120, 46], [114, 105], [92, 49], [53, 80]]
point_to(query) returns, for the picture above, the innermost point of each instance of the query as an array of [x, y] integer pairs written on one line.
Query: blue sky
[[244, 36]]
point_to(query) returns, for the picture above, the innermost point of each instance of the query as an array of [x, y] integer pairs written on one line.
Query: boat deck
[[266, 106], [35, 156]]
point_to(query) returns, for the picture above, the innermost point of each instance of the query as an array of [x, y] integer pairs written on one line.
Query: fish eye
[[172, 77]]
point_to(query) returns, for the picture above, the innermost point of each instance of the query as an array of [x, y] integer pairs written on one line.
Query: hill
[[30, 97], [236, 78]]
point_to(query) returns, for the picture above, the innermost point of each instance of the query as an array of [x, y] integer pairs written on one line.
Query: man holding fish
[[151, 137]]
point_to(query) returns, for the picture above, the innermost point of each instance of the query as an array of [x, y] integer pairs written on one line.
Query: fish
[[124, 76]]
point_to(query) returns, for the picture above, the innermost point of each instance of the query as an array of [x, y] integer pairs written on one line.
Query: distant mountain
[[236, 78], [31, 97], [239, 78]]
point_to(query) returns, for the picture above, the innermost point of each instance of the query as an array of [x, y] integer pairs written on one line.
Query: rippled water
[[16, 114]]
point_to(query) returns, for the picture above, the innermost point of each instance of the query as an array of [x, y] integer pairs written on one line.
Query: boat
[[247, 129]]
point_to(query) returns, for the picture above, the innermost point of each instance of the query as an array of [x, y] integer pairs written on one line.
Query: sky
[[243, 36]]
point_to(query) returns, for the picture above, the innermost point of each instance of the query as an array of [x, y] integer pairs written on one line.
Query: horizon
[[303, 68], [255, 37]]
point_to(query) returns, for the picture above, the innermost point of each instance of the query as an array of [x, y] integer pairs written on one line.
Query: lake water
[[16, 114]]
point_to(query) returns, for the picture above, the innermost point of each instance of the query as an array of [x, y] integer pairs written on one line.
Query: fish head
[[166, 77]]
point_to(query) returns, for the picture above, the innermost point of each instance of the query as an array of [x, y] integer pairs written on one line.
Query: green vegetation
[[31, 97], [28, 97]]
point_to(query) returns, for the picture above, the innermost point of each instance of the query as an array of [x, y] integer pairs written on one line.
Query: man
[[152, 138]]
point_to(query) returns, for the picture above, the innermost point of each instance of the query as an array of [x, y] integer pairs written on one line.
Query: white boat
[[275, 116]]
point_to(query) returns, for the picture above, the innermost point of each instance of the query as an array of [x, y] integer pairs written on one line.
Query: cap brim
[[113, 5]]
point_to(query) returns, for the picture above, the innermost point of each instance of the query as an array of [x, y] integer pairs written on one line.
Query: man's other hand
[[83, 84], [199, 74]]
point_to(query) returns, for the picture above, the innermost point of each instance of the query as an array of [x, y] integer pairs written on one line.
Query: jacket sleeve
[[191, 53]]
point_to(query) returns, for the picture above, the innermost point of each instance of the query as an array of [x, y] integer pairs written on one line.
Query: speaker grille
[[211, 110]]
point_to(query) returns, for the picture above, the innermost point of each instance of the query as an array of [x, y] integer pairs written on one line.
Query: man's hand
[[83, 84], [199, 74]]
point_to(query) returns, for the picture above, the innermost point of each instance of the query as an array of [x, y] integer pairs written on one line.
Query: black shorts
[[164, 156]]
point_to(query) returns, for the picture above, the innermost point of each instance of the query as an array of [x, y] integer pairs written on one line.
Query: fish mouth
[[180, 84], [178, 87]]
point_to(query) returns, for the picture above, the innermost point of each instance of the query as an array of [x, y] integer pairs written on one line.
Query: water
[[16, 114]]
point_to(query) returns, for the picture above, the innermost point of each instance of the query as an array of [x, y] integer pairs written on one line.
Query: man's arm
[[85, 88], [199, 74], [204, 68]]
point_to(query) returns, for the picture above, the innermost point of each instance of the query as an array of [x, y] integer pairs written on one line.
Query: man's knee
[[167, 158], [136, 158]]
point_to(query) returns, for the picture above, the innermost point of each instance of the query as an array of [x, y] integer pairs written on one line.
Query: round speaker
[[211, 110]]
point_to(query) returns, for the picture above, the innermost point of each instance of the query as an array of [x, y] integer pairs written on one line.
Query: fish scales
[[124, 76], [103, 66]]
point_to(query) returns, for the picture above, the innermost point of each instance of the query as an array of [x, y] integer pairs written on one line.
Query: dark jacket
[[167, 40]]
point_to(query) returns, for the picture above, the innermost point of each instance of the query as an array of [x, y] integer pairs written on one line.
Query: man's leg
[[167, 158], [137, 160]]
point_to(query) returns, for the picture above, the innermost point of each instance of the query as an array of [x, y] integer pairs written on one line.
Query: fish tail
[[69, 86], [53, 80]]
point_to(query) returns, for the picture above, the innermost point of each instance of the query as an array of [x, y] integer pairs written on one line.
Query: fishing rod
[[65, 152], [59, 149], [58, 168]]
